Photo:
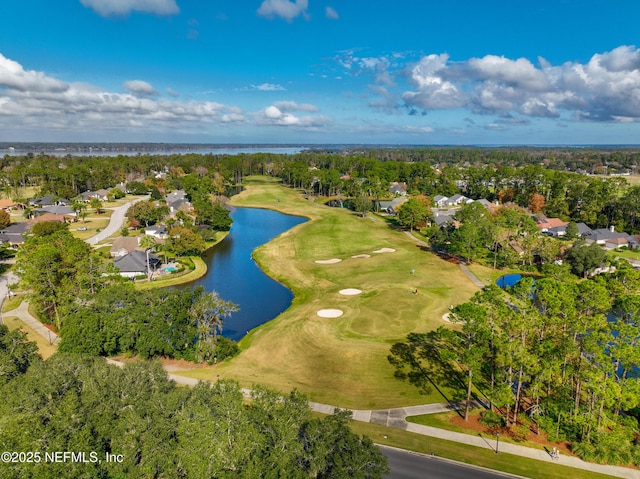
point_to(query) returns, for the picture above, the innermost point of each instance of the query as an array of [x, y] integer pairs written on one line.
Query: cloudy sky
[[321, 71]]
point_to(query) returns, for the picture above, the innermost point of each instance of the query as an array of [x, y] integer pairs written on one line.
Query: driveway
[[115, 222]]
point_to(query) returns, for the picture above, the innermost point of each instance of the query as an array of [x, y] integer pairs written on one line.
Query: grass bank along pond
[[232, 272]]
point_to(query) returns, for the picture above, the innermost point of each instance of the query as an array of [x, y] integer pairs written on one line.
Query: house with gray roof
[[391, 207], [14, 234], [457, 199], [609, 238], [440, 200], [135, 264]]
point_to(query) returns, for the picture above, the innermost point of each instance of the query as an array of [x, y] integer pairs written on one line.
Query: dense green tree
[[209, 311], [584, 259], [82, 404], [412, 213], [17, 353], [185, 242]]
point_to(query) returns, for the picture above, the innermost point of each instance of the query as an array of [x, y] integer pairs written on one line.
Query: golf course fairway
[[340, 360]]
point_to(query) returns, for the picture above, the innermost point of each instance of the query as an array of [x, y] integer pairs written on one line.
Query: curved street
[[115, 222]]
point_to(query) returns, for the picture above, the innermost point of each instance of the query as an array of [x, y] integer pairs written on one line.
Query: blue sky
[[321, 71]]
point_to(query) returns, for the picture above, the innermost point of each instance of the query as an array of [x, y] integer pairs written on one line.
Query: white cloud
[[284, 9], [268, 87], [293, 106], [15, 77], [139, 87], [107, 8], [331, 14], [33, 100], [607, 88], [280, 114]]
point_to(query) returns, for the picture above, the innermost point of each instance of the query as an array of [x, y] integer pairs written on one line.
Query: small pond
[[508, 280], [234, 274]]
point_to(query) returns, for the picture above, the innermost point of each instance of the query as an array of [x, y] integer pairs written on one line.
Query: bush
[[491, 419], [225, 348]]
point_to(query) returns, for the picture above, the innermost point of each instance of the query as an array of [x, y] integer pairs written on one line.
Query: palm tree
[[148, 243]]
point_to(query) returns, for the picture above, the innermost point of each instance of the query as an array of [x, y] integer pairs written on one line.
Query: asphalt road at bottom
[[409, 465]]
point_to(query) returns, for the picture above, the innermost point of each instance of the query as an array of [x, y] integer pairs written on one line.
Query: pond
[[237, 278], [508, 280]]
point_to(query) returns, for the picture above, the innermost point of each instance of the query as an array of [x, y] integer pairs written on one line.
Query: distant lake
[[237, 278], [178, 150]]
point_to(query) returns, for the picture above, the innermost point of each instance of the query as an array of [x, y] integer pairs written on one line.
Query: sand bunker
[[328, 261], [350, 291], [330, 313], [385, 250], [362, 256], [445, 317]]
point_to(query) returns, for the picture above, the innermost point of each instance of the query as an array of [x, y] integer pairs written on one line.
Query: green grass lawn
[[177, 278], [44, 347], [9, 304], [341, 361]]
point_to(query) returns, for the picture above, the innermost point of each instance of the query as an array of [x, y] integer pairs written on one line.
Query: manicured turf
[[472, 455], [341, 361]]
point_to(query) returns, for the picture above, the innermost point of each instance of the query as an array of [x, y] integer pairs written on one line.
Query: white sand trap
[[445, 317], [350, 291], [330, 313], [385, 250], [362, 256], [328, 261]]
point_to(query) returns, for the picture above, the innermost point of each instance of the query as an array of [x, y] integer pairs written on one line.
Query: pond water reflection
[[237, 278]]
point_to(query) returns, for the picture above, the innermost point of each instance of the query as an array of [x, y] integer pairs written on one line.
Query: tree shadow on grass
[[422, 360]]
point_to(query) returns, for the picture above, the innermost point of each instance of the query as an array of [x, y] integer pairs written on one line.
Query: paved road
[[115, 222], [410, 465]]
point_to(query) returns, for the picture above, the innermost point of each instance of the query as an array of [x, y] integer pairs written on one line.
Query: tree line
[[554, 354], [83, 405]]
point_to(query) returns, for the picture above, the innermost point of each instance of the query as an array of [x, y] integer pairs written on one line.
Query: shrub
[[491, 419], [225, 348]]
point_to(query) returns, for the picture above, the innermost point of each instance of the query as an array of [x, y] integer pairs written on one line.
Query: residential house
[[457, 199], [135, 264], [391, 207], [46, 217], [440, 200], [544, 223], [55, 210], [48, 200], [609, 238], [398, 189], [124, 245], [177, 201], [14, 234], [157, 231], [442, 219], [559, 231], [9, 205]]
